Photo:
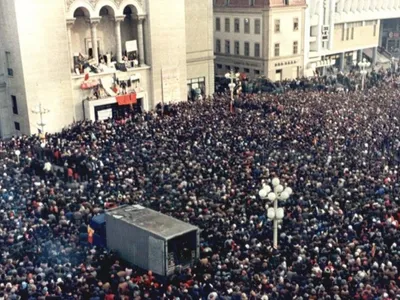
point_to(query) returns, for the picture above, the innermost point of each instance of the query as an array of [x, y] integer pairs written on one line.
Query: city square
[[164, 164]]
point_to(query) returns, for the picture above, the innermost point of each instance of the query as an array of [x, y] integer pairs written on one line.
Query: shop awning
[[127, 99]]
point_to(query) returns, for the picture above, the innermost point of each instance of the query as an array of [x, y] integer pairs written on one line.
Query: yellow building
[[350, 36], [285, 36], [259, 37]]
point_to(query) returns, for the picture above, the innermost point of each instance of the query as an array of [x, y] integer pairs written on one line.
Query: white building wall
[[3, 109], [41, 61], [287, 35], [199, 42], [15, 85], [45, 60], [307, 25], [167, 49], [353, 11], [343, 11]]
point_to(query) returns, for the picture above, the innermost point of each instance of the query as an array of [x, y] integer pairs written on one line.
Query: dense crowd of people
[[203, 164]]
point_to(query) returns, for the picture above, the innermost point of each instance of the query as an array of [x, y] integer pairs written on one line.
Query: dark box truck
[[151, 240]]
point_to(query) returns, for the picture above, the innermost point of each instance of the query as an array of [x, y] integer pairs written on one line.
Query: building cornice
[[278, 58], [93, 3], [241, 57], [200, 59], [239, 10]]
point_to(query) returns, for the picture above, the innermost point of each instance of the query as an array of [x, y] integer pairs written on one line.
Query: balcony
[[99, 88]]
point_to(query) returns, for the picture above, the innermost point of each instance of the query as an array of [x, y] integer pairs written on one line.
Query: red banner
[[127, 99]]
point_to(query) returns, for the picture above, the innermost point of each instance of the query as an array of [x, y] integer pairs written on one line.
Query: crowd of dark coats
[[204, 164]]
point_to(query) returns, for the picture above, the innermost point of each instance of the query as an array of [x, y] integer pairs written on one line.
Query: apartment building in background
[[259, 37], [340, 33], [150, 51]]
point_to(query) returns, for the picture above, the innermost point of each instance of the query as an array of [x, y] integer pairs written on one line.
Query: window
[[228, 47], [257, 49], [227, 25], [237, 25], [277, 26], [246, 49], [246, 25], [347, 33], [10, 71], [246, 70], [237, 48], [228, 68], [14, 105], [256, 72], [257, 26], [17, 126], [219, 66], [295, 24], [295, 47], [352, 33], [217, 24], [277, 49], [218, 46]]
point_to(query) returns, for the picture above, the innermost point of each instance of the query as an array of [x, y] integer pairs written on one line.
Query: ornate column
[[118, 21], [141, 40], [70, 23], [93, 28]]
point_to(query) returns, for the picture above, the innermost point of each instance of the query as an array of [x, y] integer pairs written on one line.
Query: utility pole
[[41, 111]]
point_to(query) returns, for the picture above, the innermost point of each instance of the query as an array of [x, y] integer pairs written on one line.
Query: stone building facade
[[259, 37], [77, 57]]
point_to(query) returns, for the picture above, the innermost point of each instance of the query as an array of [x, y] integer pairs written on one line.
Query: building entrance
[[115, 111]]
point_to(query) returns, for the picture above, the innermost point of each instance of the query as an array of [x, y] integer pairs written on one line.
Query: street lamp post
[[232, 76], [275, 194], [364, 64], [41, 111]]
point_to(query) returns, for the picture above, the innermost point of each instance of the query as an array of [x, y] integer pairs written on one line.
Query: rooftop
[[257, 3], [150, 220]]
